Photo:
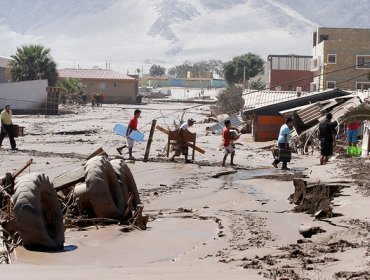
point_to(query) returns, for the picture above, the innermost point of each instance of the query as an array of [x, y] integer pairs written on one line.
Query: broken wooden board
[[99, 151], [200, 150], [69, 179]]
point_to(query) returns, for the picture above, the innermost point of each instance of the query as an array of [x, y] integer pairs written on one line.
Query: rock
[[308, 230]]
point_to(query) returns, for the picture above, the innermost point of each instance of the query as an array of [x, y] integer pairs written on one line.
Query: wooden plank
[[20, 170], [99, 151], [147, 150], [200, 150], [69, 179]]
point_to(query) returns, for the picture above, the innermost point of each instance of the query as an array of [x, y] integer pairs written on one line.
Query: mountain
[[137, 33]]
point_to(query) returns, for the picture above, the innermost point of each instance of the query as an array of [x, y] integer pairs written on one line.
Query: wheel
[[118, 167], [125, 176], [38, 213], [103, 189]]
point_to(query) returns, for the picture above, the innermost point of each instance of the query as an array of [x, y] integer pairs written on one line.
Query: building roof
[[274, 108], [4, 61], [256, 99], [93, 74]]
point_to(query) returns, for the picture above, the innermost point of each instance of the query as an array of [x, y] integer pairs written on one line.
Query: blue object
[[135, 135]]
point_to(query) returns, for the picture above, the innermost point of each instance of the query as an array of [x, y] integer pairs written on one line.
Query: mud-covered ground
[[206, 221], [358, 169]]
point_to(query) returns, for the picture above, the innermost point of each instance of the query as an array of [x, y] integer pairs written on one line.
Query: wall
[[4, 77], [266, 128], [191, 83], [346, 43], [114, 91], [159, 82], [27, 97], [286, 79]]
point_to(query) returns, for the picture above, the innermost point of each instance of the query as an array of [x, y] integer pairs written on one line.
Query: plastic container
[[354, 151]]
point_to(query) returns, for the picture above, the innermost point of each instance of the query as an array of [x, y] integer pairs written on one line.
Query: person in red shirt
[[352, 129], [227, 142], [132, 125]]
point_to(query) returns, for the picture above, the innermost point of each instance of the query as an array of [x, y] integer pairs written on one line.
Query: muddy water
[[166, 239], [268, 198]]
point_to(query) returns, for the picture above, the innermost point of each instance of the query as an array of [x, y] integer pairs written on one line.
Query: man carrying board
[[132, 125]]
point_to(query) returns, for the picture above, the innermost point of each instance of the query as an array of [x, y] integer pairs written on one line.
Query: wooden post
[[146, 156], [193, 154]]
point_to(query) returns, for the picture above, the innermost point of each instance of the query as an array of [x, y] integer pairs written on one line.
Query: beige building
[[341, 58], [116, 87], [4, 70]]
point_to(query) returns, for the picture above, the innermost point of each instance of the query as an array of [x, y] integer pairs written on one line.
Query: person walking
[[7, 127], [283, 142], [181, 147], [227, 142], [132, 125], [326, 135]]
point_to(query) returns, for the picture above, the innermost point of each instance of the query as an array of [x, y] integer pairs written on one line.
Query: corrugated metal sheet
[[235, 120], [101, 74], [310, 113], [263, 98], [290, 104]]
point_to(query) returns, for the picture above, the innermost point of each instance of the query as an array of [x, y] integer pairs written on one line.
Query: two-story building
[[341, 58], [116, 87]]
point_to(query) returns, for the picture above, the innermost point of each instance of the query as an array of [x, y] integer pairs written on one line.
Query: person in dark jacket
[[327, 132]]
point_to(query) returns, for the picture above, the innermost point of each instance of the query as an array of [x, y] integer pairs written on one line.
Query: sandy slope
[[238, 226]]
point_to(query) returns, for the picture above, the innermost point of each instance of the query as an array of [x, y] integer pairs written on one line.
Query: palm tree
[[33, 62]]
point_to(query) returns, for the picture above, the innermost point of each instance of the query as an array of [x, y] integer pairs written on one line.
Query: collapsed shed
[[266, 116]]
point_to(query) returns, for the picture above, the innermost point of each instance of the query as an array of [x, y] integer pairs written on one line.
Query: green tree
[[197, 68], [243, 67], [258, 85], [180, 71], [157, 70], [33, 62], [69, 90]]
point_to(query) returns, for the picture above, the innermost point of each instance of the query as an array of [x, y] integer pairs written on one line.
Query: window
[[115, 84], [363, 61], [332, 59], [330, 84], [362, 86], [323, 38]]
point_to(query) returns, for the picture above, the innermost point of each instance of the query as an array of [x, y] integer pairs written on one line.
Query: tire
[[125, 176], [103, 189], [38, 213], [118, 167]]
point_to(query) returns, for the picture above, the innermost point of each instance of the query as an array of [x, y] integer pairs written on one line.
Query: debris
[[314, 196], [308, 230]]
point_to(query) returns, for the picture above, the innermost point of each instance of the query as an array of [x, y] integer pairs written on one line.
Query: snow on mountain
[[132, 33]]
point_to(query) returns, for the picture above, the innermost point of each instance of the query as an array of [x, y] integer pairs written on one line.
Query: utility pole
[[244, 77]]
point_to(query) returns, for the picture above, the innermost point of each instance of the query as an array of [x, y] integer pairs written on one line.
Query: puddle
[[249, 174]]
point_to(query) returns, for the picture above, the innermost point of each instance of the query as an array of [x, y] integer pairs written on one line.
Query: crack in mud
[[307, 258]]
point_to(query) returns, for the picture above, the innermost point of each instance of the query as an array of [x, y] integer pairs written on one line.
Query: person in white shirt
[[181, 147]]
